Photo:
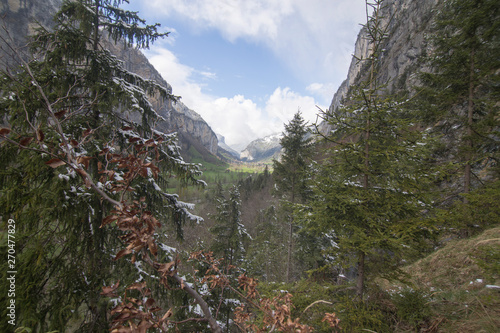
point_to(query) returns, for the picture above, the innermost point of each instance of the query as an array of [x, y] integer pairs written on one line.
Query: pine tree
[[230, 234], [370, 187], [72, 112], [230, 237], [460, 94], [290, 173], [267, 249]]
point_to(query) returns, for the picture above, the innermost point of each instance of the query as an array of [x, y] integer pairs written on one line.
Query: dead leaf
[[109, 290], [39, 135], [84, 160], [166, 315], [4, 131], [137, 286], [108, 219], [87, 132], [60, 114], [122, 253], [85, 177], [143, 326], [55, 163], [149, 303], [164, 268], [122, 329], [25, 141]]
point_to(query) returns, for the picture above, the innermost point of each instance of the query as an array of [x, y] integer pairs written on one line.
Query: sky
[[247, 66]]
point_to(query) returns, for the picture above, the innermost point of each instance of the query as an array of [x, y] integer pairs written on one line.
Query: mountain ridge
[[262, 148]]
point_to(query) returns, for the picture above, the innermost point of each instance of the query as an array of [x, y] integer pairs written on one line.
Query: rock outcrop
[[408, 22], [223, 146]]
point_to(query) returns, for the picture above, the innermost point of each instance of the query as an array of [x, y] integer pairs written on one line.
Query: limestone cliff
[[179, 118], [20, 17], [408, 22]]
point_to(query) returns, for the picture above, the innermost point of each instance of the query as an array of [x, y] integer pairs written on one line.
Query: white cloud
[[324, 91], [233, 18], [238, 118], [313, 37], [284, 103]]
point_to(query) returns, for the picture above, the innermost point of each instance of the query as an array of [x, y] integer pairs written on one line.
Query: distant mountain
[[261, 149]]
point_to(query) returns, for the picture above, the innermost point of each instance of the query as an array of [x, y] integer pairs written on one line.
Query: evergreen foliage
[[371, 187], [460, 94], [268, 247], [79, 150], [76, 101], [290, 175], [290, 172], [230, 234]]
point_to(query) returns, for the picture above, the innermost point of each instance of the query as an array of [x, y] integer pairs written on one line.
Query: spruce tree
[[290, 173], [267, 249], [460, 93], [370, 187], [230, 237], [230, 234], [72, 111]]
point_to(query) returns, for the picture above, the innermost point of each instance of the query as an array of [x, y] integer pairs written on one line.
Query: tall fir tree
[[268, 248], [75, 101], [371, 185], [460, 94], [230, 234], [290, 174], [230, 237]]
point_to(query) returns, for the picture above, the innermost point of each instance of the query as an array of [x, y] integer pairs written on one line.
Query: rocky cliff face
[[225, 148], [408, 22], [179, 118], [20, 17]]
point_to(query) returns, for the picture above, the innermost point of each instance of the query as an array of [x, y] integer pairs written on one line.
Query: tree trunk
[[361, 275], [289, 259], [214, 326], [290, 238], [95, 45], [470, 114]]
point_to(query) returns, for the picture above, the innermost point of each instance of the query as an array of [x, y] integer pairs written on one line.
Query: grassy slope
[[448, 291], [459, 280]]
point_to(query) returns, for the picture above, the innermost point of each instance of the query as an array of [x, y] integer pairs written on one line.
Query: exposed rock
[[18, 20], [179, 118], [408, 22], [225, 147]]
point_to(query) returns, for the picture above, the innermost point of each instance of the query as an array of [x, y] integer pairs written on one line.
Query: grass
[[458, 280]]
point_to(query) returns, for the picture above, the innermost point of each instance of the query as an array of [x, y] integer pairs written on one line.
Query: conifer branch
[[69, 152]]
